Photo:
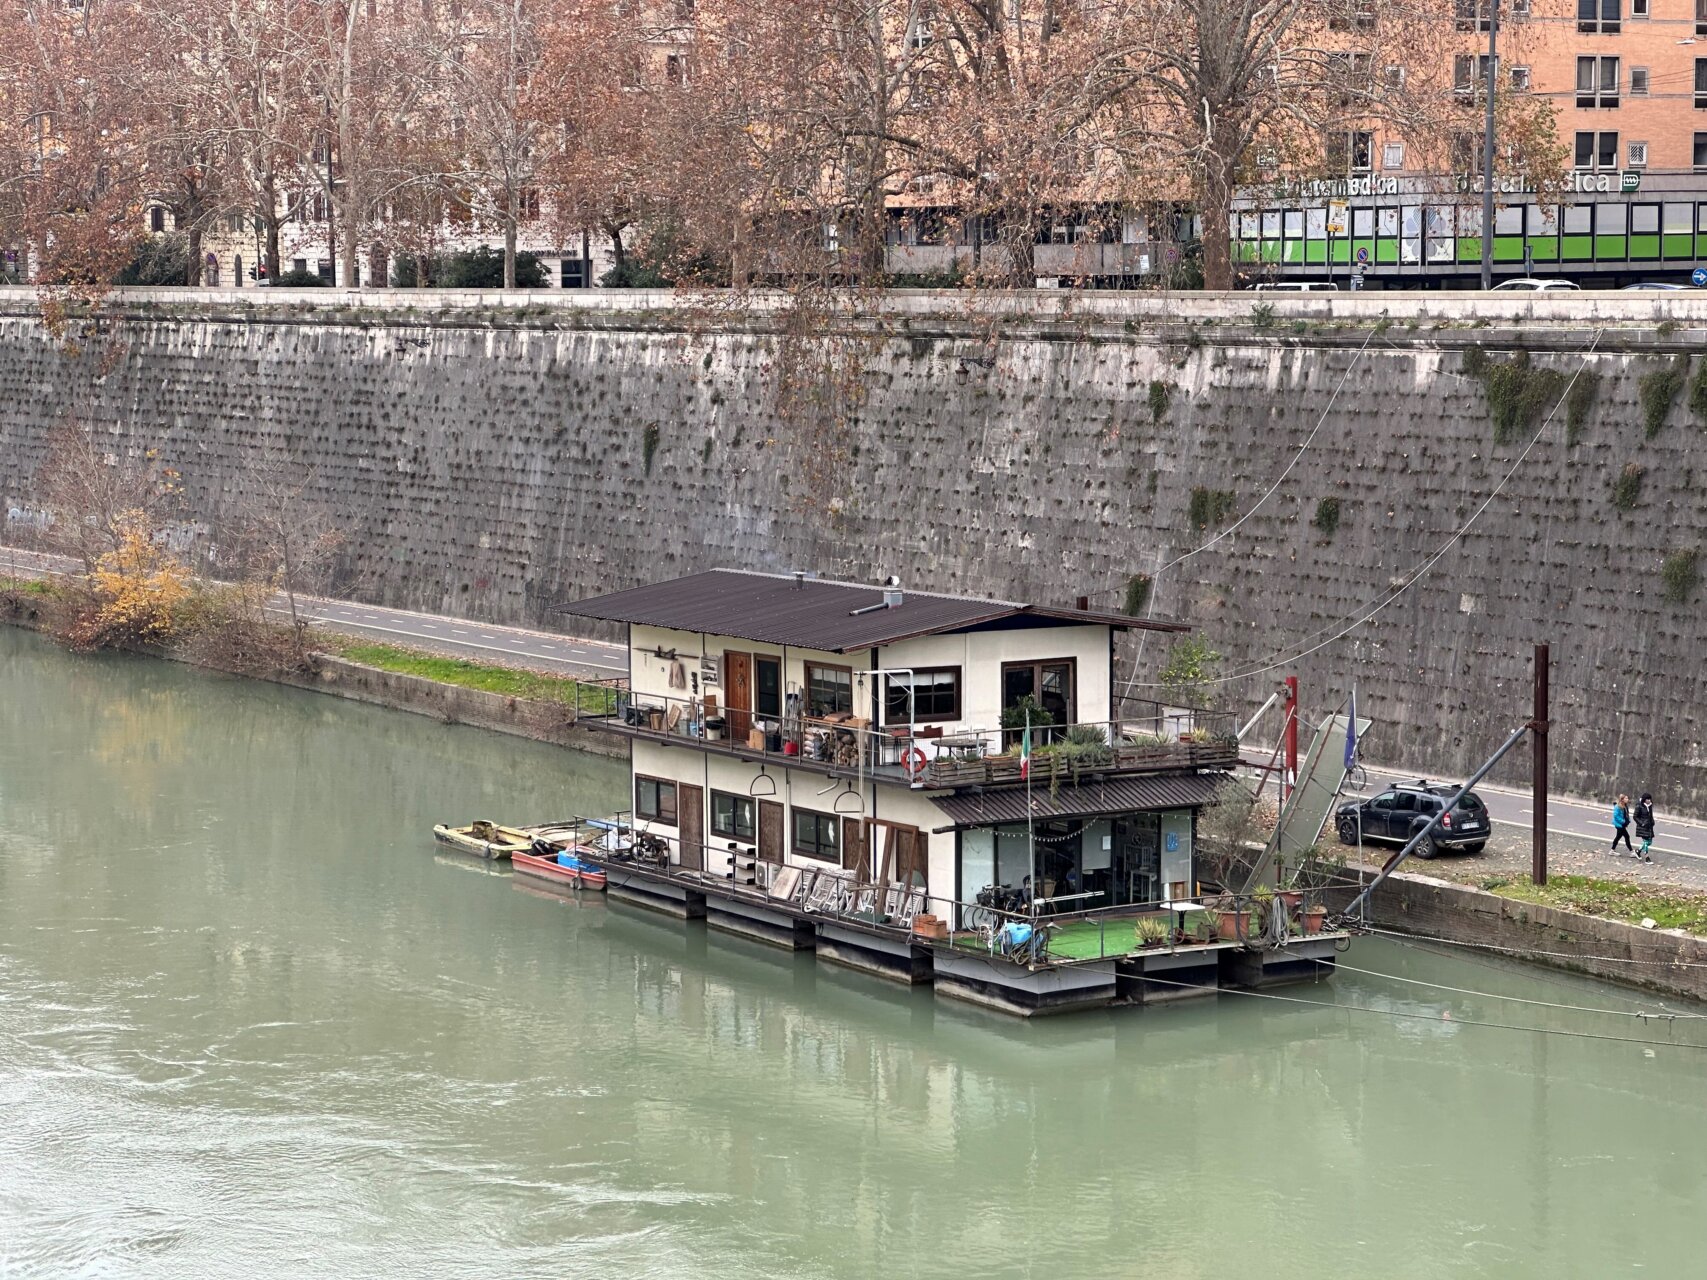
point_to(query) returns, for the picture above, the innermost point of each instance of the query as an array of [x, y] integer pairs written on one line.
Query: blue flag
[[1351, 733]]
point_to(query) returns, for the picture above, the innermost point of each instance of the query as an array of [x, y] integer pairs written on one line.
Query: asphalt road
[[455, 637], [1585, 820], [1588, 820]]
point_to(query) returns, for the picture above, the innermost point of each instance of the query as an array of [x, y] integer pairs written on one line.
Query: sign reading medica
[[1580, 182]]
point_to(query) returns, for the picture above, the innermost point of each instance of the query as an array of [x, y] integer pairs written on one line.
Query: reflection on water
[[252, 1021]]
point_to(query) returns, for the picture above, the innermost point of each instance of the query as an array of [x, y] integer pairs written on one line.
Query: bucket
[[713, 728]]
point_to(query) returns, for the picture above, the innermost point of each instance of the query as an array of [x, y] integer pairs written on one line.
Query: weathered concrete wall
[[491, 461], [1664, 960]]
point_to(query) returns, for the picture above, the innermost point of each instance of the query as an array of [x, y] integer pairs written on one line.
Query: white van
[[1298, 286]]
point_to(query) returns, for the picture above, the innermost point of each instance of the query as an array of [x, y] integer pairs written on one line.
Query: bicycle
[[1024, 942]]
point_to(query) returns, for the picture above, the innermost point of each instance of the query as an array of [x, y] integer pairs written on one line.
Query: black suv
[[1399, 812]]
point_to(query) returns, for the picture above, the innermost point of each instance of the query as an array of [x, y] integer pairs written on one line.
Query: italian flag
[[1025, 751]]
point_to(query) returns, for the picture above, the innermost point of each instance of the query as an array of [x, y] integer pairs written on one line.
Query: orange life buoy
[[913, 761]]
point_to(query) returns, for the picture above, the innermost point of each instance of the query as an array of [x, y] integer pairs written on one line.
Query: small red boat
[[565, 869], [563, 854]]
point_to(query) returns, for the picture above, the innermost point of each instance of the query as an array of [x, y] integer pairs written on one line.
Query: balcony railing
[[1147, 738]]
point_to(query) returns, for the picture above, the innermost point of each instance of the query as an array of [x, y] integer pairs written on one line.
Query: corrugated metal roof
[[812, 613], [1128, 794]]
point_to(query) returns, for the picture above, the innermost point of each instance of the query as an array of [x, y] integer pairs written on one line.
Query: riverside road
[[1682, 843]]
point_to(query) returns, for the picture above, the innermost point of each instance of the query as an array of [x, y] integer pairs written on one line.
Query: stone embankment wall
[[494, 456], [1668, 961]]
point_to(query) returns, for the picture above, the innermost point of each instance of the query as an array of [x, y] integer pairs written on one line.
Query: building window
[[1700, 84], [527, 204], [731, 816], [829, 690], [1466, 152], [935, 696], [1596, 150], [1349, 151], [1352, 15], [816, 835], [1599, 17], [1469, 73], [1393, 156], [572, 273], [1049, 684], [655, 799], [1701, 151], [767, 687], [1701, 17], [1638, 8], [1597, 82], [1638, 82], [1471, 15], [156, 219], [1520, 80]]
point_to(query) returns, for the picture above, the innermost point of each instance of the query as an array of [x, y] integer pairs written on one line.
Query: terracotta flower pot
[[1313, 918]]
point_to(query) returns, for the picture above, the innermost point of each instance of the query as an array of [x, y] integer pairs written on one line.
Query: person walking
[[1621, 826], [1645, 826]]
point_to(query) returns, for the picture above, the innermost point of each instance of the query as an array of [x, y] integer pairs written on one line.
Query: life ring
[[913, 762]]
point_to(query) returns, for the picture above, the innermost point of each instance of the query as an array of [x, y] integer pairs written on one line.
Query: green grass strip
[[1611, 899], [509, 681]]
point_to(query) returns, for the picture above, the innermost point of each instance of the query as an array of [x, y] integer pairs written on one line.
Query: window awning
[[1130, 794]]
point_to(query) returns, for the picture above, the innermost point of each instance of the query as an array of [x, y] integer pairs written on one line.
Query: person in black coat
[[1645, 826]]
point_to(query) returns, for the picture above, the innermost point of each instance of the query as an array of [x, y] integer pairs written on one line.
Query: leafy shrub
[[163, 259], [300, 279], [481, 268], [1659, 390], [1190, 670], [1698, 393], [1519, 394], [1209, 506], [631, 274], [1327, 517], [1681, 574], [1627, 488], [1262, 315], [1160, 394], [1137, 594]]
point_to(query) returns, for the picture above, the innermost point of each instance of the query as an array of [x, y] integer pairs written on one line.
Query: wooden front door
[[855, 849], [690, 817], [738, 689], [770, 832]]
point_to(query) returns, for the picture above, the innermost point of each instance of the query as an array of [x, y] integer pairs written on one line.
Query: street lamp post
[[1488, 146]]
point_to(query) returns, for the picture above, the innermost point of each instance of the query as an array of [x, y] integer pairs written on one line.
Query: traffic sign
[[1698, 277], [1336, 217], [1363, 255]]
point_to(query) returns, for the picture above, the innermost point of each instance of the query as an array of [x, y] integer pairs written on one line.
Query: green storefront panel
[[1508, 248], [1245, 251], [1544, 249], [1576, 248], [1294, 252], [1679, 246], [1342, 250], [1610, 249], [1645, 248], [1469, 248], [1271, 251], [1387, 252], [1316, 252]]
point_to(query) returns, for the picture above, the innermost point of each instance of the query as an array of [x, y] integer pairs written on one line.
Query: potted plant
[[1151, 931], [1233, 919], [1311, 917], [1208, 924]]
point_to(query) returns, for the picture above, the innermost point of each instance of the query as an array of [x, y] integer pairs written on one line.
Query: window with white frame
[[1393, 155], [1597, 82]]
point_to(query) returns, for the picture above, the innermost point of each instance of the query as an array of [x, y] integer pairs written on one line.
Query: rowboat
[[482, 839], [565, 869], [567, 855]]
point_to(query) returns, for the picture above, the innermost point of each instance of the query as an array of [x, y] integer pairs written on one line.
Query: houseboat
[[929, 787]]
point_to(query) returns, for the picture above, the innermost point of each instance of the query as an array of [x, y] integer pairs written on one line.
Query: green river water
[[252, 1025]]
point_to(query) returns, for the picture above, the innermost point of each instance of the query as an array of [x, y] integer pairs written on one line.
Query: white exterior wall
[[980, 656], [884, 802]]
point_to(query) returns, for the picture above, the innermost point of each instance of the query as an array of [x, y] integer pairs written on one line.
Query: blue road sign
[[1698, 277], [1363, 255]]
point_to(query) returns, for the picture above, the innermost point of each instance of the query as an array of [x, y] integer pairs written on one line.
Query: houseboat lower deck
[[1085, 962]]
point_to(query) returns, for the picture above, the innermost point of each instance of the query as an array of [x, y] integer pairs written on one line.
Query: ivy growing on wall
[[1680, 573], [1210, 506], [1327, 517], [1520, 395], [1579, 404], [649, 445], [1160, 394], [1627, 488], [1137, 594], [1659, 390]]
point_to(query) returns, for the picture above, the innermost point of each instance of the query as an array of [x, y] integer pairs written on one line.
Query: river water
[[252, 1025]]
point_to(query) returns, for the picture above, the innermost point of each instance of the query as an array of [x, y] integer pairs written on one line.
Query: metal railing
[[1147, 736]]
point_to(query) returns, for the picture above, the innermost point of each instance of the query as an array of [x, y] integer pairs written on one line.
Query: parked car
[[1397, 814], [1297, 286], [1533, 284], [1658, 284]]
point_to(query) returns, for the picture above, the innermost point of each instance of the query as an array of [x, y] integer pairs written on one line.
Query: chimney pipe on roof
[[1084, 604]]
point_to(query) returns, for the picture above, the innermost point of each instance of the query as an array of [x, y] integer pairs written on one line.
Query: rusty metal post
[[1538, 771], [1290, 776]]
